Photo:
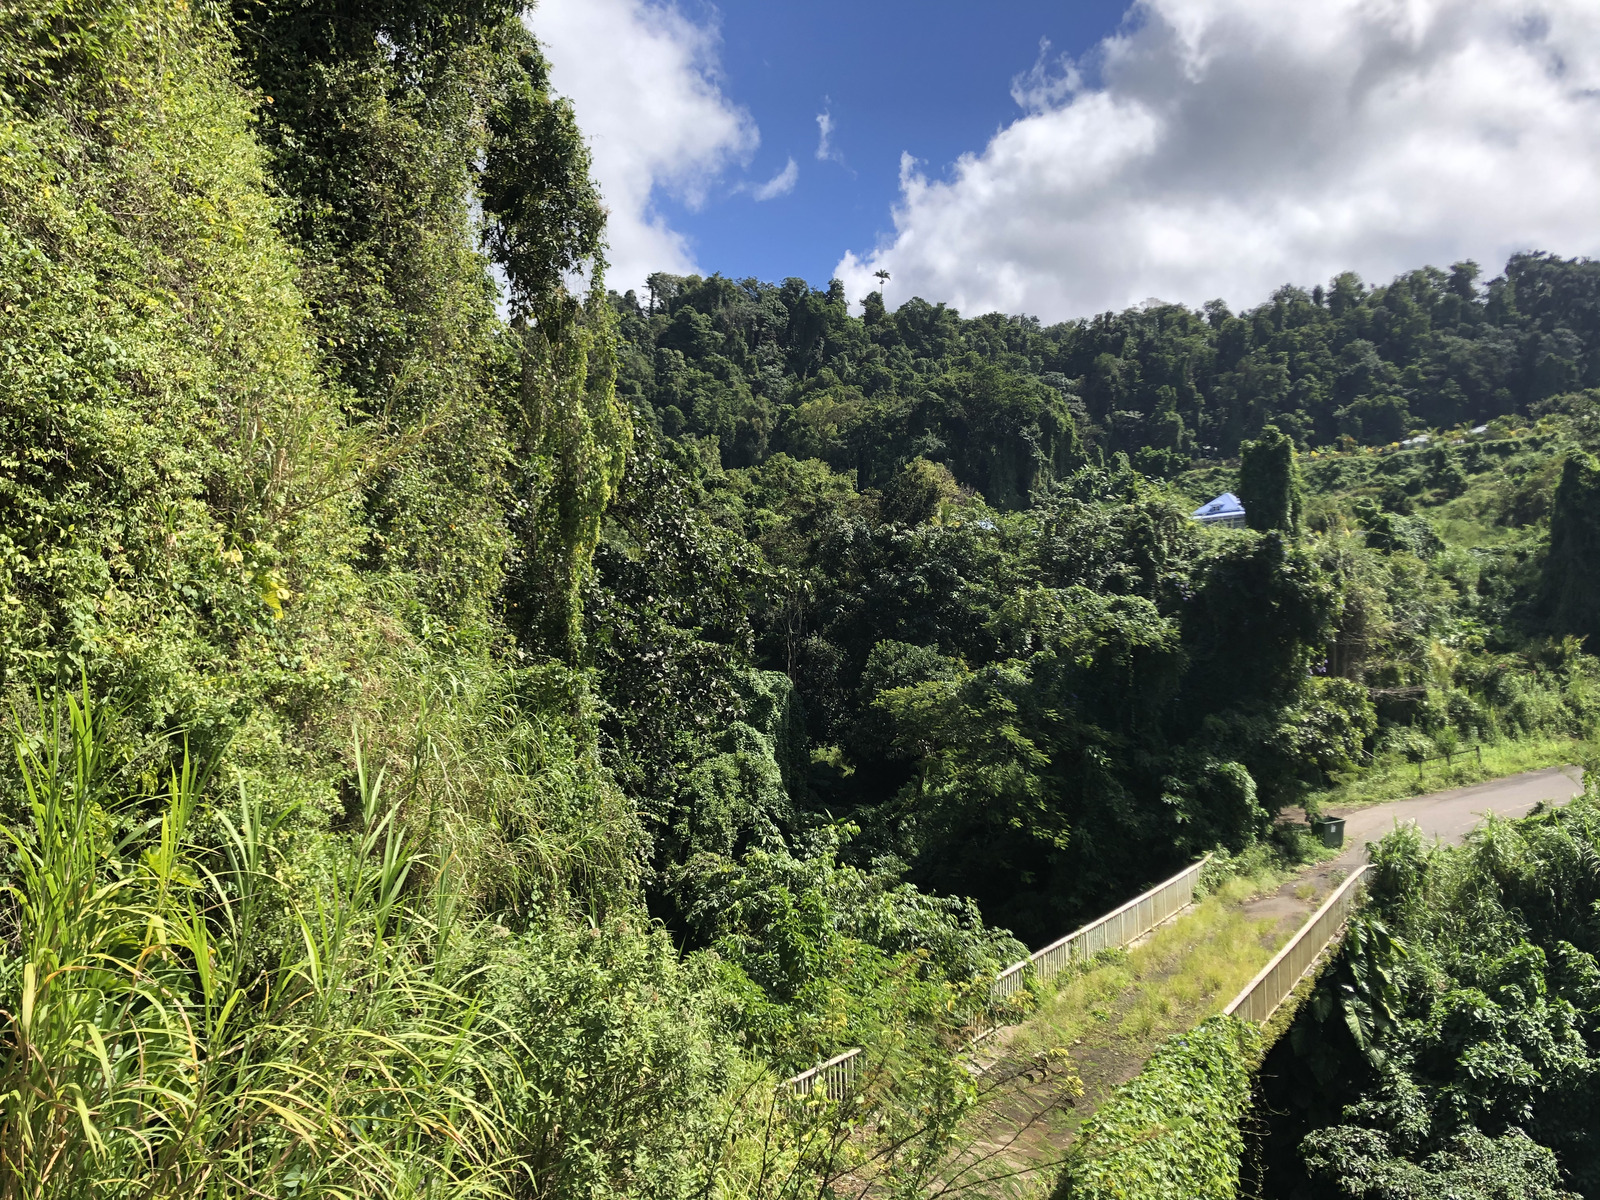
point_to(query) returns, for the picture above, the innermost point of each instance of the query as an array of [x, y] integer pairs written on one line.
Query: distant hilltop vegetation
[[1007, 403]]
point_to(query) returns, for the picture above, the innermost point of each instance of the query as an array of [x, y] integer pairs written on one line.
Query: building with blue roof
[[1225, 510]]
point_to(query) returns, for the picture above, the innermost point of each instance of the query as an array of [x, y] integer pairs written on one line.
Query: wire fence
[[1449, 757], [1117, 928], [1270, 988]]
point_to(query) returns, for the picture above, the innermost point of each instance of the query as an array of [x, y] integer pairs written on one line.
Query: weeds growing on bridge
[[1096, 1027], [1126, 1002]]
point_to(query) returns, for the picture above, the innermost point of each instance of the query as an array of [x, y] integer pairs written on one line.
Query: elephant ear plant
[[152, 1048]]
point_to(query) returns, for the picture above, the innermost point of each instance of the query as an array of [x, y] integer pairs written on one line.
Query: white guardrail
[[1271, 987], [1117, 928], [834, 1077]]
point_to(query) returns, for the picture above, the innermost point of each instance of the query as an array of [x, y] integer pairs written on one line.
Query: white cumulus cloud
[[1230, 146], [780, 184], [643, 79]]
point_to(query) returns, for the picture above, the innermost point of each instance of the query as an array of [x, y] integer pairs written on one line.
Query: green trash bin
[[1330, 830]]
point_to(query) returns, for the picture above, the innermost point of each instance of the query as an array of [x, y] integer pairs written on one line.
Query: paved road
[[1447, 816], [1450, 816]]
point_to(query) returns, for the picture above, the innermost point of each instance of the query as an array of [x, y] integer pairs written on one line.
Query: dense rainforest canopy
[[1023, 670], [1007, 403], [478, 737]]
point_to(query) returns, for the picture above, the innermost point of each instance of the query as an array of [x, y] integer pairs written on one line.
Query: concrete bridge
[[1037, 1111]]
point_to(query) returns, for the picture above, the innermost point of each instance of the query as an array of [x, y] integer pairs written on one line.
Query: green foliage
[[1472, 1167], [1008, 404], [175, 1022], [991, 694], [1128, 664], [918, 492], [1173, 1131], [381, 124], [573, 452], [712, 749], [1269, 482], [176, 481], [1570, 583], [684, 759], [1454, 1041], [1331, 727], [545, 217], [611, 1078], [819, 957], [271, 465], [1262, 610]]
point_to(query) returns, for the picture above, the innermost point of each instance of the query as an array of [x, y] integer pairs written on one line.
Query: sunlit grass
[[1105, 1021], [148, 1047], [1129, 1001], [1398, 778]]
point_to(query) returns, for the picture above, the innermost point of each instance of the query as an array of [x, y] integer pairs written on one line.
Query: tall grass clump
[[173, 1024]]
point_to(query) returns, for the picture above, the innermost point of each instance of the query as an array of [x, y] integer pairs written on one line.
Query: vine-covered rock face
[[256, 366], [1172, 1132], [169, 503]]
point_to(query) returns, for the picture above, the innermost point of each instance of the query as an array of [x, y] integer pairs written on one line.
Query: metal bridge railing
[[834, 1077], [1270, 988], [1117, 928]]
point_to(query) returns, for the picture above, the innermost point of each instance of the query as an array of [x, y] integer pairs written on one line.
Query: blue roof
[[1225, 505]]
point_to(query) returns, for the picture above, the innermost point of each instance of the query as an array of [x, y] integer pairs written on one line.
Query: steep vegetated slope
[[480, 744], [316, 881], [258, 506]]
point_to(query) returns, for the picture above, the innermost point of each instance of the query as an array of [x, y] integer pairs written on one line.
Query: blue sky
[[1180, 150], [930, 78]]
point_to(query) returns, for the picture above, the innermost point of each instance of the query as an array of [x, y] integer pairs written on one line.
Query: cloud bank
[[644, 81], [1230, 146]]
